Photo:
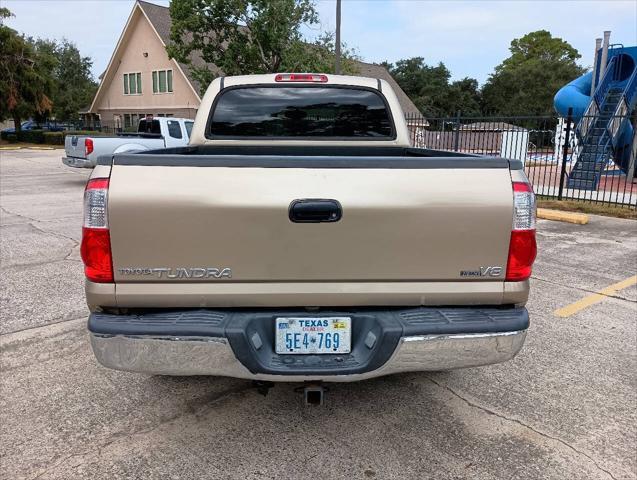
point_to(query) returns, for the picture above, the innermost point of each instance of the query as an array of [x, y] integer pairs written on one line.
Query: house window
[[131, 121], [162, 81], [132, 83]]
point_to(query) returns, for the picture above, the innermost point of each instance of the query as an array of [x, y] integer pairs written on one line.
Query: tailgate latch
[[315, 210]]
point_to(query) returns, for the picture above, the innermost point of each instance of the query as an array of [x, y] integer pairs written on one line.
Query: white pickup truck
[[152, 133]]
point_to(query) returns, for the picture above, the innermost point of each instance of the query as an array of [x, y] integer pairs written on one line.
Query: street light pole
[[337, 66]]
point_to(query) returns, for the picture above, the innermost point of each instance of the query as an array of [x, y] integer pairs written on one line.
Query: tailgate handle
[[315, 210]]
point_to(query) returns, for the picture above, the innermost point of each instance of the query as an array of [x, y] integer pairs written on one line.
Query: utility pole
[[337, 66]]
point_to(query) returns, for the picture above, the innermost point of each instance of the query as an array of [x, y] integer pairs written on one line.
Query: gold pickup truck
[[299, 237]]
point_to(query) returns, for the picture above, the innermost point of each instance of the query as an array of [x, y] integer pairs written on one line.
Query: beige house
[[140, 78]]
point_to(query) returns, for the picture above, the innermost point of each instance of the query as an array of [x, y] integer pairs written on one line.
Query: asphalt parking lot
[[565, 408]]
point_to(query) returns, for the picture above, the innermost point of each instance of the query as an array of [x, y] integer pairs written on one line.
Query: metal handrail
[[587, 119], [630, 91], [616, 121], [600, 91]]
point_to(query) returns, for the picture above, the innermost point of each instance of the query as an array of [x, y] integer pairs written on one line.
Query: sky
[[470, 37]]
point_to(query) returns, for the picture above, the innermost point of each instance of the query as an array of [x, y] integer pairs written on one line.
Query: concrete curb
[[561, 216], [27, 148]]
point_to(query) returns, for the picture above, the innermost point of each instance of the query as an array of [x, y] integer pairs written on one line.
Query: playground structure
[[602, 105]]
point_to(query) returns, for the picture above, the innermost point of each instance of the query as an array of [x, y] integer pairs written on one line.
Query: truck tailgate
[[74, 146], [180, 223]]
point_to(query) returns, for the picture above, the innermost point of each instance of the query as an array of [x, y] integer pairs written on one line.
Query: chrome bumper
[[77, 162], [214, 356]]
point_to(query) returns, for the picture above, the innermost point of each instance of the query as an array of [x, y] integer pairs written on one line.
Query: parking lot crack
[[69, 317], [55, 234], [18, 215], [586, 290], [195, 412], [522, 424]]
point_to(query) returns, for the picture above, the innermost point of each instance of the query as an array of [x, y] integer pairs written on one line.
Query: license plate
[[305, 335]]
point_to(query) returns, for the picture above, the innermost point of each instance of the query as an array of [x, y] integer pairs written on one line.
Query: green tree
[[525, 82], [25, 80], [430, 90], [318, 56], [74, 84], [464, 96], [247, 37]]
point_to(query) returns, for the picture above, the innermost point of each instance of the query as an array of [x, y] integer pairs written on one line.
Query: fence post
[[456, 137], [567, 138]]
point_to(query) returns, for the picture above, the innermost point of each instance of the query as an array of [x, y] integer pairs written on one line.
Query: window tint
[[300, 112], [174, 130], [149, 126], [189, 128]]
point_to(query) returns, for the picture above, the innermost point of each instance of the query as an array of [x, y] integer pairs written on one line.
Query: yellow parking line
[[595, 297]]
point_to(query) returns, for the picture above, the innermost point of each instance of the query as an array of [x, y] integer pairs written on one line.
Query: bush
[[49, 138], [31, 136], [54, 138]]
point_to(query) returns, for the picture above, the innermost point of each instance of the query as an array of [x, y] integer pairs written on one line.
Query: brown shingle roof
[[159, 16], [491, 127]]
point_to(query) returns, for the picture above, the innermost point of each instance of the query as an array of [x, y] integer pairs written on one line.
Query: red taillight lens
[[88, 146], [301, 77], [522, 252], [96, 254], [522, 246], [96, 241]]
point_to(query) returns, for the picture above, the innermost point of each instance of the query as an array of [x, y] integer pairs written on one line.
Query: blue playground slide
[[604, 131]]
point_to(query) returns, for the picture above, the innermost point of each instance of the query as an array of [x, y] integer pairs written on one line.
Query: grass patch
[[586, 207], [17, 145]]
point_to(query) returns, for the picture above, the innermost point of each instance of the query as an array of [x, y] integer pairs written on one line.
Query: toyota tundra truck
[[299, 237]]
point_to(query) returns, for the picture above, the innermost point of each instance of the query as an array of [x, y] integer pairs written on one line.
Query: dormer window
[[162, 81]]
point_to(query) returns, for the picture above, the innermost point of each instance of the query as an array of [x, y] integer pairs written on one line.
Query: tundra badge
[[178, 273]]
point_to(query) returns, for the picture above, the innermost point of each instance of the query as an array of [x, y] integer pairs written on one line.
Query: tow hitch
[[314, 394]]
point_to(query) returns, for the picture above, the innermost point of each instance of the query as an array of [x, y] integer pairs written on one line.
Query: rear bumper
[[206, 342], [77, 162]]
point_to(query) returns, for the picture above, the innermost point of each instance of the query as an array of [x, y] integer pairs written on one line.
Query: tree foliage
[[525, 82], [74, 83], [40, 78], [248, 37], [431, 91], [25, 84]]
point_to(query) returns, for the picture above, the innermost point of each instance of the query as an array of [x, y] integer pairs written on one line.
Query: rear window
[[322, 112], [149, 126]]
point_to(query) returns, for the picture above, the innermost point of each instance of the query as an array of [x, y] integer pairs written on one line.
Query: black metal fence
[[591, 161]]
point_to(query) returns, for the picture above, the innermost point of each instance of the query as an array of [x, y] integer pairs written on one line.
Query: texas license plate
[[305, 335]]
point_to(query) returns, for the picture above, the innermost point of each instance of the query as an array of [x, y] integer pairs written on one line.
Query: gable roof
[[138, 10], [159, 17]]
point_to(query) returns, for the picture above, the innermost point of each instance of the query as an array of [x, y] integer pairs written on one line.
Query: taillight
[[96, 240], [522, 247], [301, 77], [88, 146]]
